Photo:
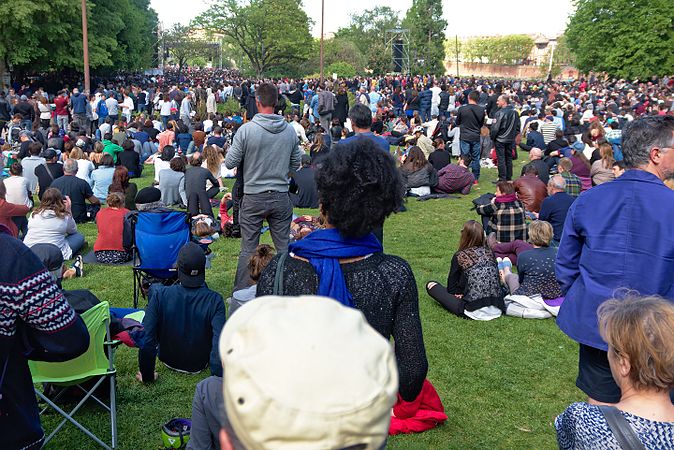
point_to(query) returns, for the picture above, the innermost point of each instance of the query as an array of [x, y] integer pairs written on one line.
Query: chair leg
[[113, 410], [67, 417], [135, 290]]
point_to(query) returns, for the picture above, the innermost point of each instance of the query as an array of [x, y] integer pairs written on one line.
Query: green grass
[[501, 382]]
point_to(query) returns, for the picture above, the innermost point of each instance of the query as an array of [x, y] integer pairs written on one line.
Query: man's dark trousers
[[504, 154]]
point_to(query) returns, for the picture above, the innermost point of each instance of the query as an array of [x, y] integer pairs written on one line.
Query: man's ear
[[225, 443]]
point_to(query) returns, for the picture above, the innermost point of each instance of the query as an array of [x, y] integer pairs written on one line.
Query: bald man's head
[[535, 153]]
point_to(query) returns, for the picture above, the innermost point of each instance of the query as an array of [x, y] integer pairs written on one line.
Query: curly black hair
[[358, 187]]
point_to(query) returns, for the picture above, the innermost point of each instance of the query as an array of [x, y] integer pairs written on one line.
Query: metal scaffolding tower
[[398, 41]]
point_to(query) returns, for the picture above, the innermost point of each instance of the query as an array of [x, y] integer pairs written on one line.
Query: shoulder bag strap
[[278, 277], [622, 430]]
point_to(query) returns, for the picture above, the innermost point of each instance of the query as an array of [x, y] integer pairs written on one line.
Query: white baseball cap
[[306, 373]]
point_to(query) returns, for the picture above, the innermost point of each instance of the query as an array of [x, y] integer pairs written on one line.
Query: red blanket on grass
[[422, 414]]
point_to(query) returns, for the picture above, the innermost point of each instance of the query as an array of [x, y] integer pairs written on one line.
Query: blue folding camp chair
[[157, 239]]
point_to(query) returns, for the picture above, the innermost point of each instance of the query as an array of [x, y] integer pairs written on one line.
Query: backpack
[[326, 103], [102, 108]]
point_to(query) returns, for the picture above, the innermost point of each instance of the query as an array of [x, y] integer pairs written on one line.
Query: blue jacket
[[616, 235], [425, 98], [79, 102], [183, 326]]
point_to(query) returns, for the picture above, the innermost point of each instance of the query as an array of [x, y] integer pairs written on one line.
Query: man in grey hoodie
[[267, 148]]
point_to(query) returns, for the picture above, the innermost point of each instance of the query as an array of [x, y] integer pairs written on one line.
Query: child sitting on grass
[[256, 264]]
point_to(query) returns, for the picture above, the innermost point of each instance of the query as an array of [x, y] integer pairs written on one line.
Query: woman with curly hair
[[52, 223], [358, 187]]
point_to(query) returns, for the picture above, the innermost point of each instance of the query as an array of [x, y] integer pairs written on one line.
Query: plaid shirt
[[573, 184], [506, 219]]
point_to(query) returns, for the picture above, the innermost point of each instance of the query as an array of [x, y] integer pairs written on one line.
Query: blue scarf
[[324, 249]]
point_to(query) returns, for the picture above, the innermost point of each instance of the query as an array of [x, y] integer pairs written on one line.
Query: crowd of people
[[586, 226]]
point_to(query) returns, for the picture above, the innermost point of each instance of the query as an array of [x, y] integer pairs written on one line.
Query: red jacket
[[61, 104], [9, 210], [422, 414], [110, 224]]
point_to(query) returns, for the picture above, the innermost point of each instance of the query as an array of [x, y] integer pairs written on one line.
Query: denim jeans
[[62, 122], [75, 242], [504, 153], [27, 124], [472, 148], [274, 207], [425, 114]]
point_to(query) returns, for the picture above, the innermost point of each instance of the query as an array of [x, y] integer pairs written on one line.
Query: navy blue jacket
[[182, 326], [616, 235], [554, 209], [425, 98], [79, 102]]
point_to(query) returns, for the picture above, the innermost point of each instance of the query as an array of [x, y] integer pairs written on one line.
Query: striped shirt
[[548, 129]]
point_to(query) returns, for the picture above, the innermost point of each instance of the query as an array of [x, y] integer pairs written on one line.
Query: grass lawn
[[501, 382]]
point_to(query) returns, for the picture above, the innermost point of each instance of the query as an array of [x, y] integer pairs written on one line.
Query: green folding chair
[[96, 362]]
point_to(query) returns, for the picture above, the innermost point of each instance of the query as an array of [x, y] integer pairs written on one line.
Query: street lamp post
[[85, 47]]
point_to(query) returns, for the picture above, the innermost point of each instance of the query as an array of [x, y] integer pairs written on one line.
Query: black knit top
[[385, 291]]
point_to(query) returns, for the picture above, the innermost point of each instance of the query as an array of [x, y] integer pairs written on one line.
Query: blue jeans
[[27, 124], [75, 242], [425, 114], [472, 148], [62, 122]]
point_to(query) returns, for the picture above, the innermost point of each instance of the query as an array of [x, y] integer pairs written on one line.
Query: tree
[[427, 36], [44, 36], [561, 57], [342, 69], [271, 33], [368, 32], [182, 45], [507, 50], [624, 38]]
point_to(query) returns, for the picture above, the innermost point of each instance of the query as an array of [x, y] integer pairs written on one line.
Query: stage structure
[[398, 40]]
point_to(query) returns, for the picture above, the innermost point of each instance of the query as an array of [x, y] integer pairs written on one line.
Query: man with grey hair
[[503, 132], [77, 190], [535, 159], [555, 207], [617, 238]]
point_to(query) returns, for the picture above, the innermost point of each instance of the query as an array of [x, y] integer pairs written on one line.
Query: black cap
[[49, 154], [148, 195], [191, 265]]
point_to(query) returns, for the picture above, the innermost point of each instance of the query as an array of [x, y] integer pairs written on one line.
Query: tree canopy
[[43, 36], [624, 38], [427, 36], [272, 34], [367, 31], [507, 50]]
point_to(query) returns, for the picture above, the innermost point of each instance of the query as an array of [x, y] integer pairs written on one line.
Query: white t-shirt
[[84, 169], [159, 165], [17, 190], [164, 108]]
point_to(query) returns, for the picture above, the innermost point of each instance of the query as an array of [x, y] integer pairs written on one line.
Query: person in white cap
[[423, 141], [300, 373]]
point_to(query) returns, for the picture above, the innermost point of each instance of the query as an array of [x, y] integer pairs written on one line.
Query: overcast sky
[[472, 18]]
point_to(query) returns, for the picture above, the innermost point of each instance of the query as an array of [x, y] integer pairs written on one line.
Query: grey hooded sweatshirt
[[269, 149]]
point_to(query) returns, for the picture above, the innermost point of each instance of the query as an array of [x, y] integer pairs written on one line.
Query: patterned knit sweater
[[36, 322]]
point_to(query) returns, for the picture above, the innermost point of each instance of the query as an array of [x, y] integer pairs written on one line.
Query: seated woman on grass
[[535, 268], [473, 289], [640, 337], [419, 176], [506, 214], [108, 247]]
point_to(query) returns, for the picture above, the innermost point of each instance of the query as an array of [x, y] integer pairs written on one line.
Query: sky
[[488, 17]]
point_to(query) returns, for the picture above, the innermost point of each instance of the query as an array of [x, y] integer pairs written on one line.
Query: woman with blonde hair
[[212, 160], [640, 337], [602, 169], [535, 267], [84, 166], [52, 223]]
